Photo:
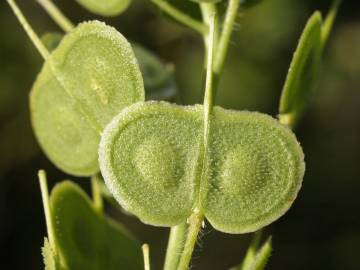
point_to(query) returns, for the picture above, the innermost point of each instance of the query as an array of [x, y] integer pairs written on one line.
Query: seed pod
[[158, 77], [155, 163], [85, 239], [89, 78], [107, 8]]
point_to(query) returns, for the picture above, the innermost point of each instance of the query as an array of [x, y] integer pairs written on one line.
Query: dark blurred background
[[322, 229]]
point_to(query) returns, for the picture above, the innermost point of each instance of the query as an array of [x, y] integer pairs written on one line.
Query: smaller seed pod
[[84, 83], [106, 8], [206, 1], [51, 40], [87, 240], [158, 77], [158, 166], [250, 3]]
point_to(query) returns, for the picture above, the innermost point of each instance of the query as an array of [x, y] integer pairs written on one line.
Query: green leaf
[[51, 40], [255, 258], [107, 8], [251, 252], [89, 78], [303, 72], [151, 156], [85, 238], [158, 78], [262, 256]]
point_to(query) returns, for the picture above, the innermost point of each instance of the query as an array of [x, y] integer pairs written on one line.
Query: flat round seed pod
[[152, 159], [85, 239], [107, 8], [51, 40], [87, 80], [255, 169], [158, 78], [149, 155]]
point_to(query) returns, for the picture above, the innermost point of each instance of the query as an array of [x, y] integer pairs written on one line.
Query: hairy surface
[[153, 161]]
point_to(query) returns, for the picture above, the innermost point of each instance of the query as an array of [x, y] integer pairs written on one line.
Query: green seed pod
[[107, 8], [158, 78], [154, 161], [87, 80], [250, 3], [51, 40], [206, 1], [85, 239]]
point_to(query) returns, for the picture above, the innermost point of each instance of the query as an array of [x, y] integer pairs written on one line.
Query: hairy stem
[[195, 221], [175, 246], [223, 44], [180, 16], [55, 13], [47, 209]]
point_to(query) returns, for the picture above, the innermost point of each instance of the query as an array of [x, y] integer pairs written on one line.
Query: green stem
[[223, 44], [195, 221], [175, 246], [47, 209], [208, 96], [29, 31], [329, 21], [55, 13], [146, 255], [96, 193], [180, 16], [207, 10]]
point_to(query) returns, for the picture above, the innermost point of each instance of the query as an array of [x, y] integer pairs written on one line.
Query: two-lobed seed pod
[[156, 163]]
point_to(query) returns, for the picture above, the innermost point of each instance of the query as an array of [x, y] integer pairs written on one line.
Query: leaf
[[107, 8], [262, 256], [85, 238], [303, 72], [255, 258], [89, 78], [158, 78], [51, 40], [151, 157], [251, 252]]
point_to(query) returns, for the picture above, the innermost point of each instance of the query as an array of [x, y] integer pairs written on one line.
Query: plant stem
[[96, 194], [28, 29], [195, 221], [55, 13], [208, 96], [175, 246], [146, 255], [223, 44], [47, 208], [329, 21], [207, 10], [197, 217], [180, 16]]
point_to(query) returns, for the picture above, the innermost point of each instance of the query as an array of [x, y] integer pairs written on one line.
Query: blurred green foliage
[[322, 230]]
